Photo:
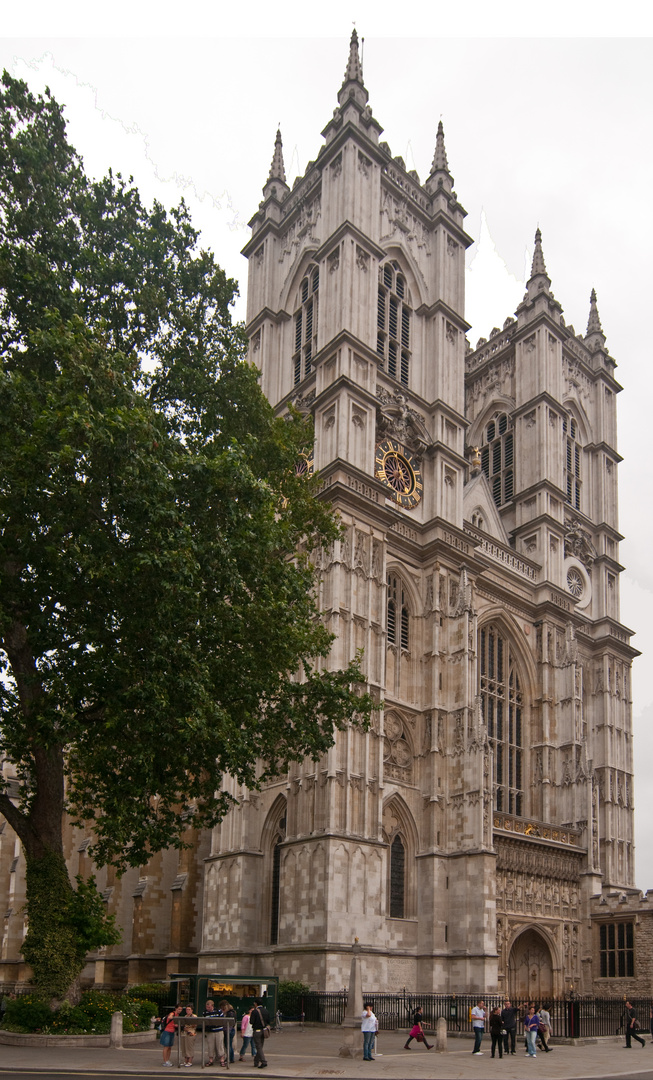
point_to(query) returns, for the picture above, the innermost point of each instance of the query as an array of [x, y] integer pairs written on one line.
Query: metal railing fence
[[580, 1017]]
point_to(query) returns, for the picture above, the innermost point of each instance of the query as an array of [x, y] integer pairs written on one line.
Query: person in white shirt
[[478, 1024], [369, 1027]]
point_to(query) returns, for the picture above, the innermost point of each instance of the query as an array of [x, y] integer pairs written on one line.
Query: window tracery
[[502, 705], [573, 462], [397, 613]]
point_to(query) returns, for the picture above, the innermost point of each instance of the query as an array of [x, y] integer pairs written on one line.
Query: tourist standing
[[246, 1034], [167, 1036], [630, 1018], [509, 1015], [226, 1009], [260, 1020], [478, 1025], [496, 1028], [188, 1033], [369, 1026], [214, 1036], [531, 1026]]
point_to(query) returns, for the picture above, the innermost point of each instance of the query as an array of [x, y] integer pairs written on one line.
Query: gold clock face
[[304, 463], [397, 470]]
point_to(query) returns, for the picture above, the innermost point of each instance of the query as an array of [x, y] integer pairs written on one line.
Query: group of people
[[503, 1025], [254, 1025]]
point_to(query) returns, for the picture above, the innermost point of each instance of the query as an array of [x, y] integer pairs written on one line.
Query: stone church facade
[[471, 838]]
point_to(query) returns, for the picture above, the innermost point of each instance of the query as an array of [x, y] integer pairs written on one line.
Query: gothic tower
[[461, 837]]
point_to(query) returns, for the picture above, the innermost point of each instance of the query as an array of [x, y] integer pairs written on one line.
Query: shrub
[[290, 995], [27, 1013]]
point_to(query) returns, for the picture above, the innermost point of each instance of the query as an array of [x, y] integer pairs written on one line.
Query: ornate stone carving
[[396, 419]]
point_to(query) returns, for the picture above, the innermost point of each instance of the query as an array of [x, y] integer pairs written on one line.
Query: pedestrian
[[369, 1027], [509, 1017], [167, 1036], [478, 1024], [417, 1031], [531, 1026], [214, 1035], [496, 1031], [226, 1009], [260, 1020], [632, 1025], [246, 1034], [545, 1027], [188, 1033]]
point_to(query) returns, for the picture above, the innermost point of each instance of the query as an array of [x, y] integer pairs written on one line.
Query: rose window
[[575, 582]]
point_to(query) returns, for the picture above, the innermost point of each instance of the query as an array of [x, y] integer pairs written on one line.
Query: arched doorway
[[530, 968]]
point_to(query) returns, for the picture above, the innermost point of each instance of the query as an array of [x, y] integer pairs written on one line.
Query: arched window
[[501, 700], [573, 476], [305, 325], [274, 834], [398, 617], [497, 458], [397, 878], [393, 322]]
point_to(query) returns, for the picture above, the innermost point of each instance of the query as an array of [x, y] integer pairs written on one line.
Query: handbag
[[266, 1032]]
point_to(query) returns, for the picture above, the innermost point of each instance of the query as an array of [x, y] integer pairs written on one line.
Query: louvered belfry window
[[497, 458], [397, 613], [393, 323], [573, 476], [305, 326]]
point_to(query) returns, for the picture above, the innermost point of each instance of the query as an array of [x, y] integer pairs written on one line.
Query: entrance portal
[[530, 970]]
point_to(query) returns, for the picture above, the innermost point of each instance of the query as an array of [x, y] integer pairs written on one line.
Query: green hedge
[[92, 1016]]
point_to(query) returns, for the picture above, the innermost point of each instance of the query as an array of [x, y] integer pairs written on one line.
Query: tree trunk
[[51, 946]]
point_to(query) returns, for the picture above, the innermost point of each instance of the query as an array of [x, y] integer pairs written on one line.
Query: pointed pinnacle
[[440, 162], [354, 70], [277, 170], [538, 256], [593, 323]]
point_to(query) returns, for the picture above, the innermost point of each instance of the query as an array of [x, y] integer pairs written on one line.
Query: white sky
[[554, 132]]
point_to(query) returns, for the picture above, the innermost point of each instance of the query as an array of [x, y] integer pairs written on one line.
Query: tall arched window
[[305, 327], [502, 705], [397, 878], [397, 613], [274, 834], [497, 458], [276, 882], [393, 322]]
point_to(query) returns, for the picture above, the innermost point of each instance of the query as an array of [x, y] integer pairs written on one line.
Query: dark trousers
[[478, 1039], [259, 1056], [509, 1035], [632, 1034], [497, 1041]]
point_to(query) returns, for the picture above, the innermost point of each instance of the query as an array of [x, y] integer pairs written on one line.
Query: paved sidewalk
[[314, 1053]]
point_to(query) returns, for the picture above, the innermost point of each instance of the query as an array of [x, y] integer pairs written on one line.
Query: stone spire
[[593, 323], [594, 337], [538, 266], [354, 69], [539, 280], [440, 163], [277, 170], [439, 177]]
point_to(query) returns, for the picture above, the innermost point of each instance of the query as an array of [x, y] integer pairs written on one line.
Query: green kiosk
[[239, 990]]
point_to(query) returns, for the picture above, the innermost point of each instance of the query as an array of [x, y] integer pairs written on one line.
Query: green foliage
[[289, 998], [158, 627], [92, 1016]]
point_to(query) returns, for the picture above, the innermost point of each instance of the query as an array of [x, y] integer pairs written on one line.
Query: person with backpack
[[167, 1036]]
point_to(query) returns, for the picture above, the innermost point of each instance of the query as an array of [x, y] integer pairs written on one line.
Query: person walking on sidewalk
[[369, 1027], [260, 1021], [630, 1019], [417, 1031], [545, 1028], [478, 1024]]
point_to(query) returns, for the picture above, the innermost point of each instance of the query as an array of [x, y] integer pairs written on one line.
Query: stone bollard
[[115, 1037], [441, 1035]]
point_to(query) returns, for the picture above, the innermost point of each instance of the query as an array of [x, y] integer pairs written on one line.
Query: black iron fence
[[580, 1017]]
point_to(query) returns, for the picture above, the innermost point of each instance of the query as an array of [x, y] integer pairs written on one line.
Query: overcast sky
[[552, 131]]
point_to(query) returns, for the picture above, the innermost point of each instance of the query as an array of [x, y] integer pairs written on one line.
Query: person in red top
[[168, 1034]]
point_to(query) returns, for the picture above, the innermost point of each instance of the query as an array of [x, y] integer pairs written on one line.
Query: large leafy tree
[[157, 621]]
